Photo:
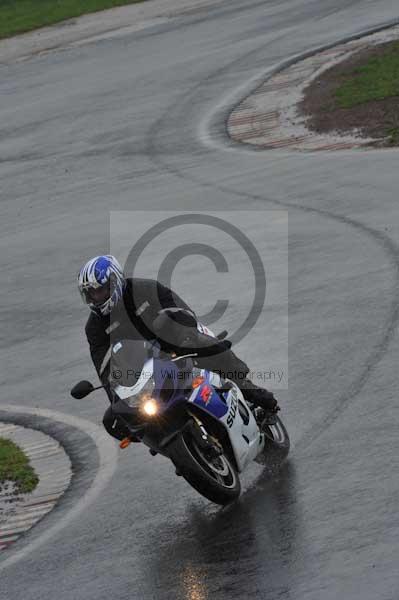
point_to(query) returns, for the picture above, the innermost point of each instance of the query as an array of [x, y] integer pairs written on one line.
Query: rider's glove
[[175, 327]]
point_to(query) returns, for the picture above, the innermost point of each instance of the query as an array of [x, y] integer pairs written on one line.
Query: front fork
[[206, 442]]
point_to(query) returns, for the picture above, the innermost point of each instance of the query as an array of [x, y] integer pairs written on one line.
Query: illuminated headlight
[[143, 400], [150, 407]]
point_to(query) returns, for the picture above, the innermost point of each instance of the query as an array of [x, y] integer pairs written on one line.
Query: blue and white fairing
[[233, 412], [170, 388], [169, 383]]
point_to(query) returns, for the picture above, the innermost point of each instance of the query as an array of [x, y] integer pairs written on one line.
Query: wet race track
[[128, 124]]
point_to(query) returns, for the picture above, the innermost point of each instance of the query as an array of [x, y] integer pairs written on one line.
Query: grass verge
[[377, 79], [358, 96], [19, 16], [14, 466]]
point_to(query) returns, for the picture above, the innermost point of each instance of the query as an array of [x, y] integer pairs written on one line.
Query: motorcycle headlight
[[143, 400], [150, 407]]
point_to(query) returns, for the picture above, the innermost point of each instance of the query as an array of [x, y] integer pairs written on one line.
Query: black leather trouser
[[229, 366], [226, 364]]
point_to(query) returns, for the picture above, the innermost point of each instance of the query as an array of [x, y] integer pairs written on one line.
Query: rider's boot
[[261, 398]]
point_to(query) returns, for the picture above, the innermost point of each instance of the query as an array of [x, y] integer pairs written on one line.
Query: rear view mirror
[[82, 389]]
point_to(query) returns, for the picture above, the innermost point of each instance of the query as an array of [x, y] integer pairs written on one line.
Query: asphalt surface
[[120, 125]]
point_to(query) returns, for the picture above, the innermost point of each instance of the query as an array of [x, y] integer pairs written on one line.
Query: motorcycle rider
[[138, 308]]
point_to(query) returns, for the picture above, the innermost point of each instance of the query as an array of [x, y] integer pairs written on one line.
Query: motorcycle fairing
[[245, 439], [207, 398], [147, 372]]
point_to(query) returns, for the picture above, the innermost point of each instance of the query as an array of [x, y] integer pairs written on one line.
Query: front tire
[[215, 478]]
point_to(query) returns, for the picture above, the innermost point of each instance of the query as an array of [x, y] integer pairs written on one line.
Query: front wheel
[[215, 477]]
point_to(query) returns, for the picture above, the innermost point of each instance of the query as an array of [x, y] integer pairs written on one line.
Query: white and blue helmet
[[101, 284]]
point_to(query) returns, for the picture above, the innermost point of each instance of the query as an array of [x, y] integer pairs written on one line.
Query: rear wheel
[[277, 443], [215, 477]]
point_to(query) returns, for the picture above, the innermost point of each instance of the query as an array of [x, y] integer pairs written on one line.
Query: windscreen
[[128, 358]]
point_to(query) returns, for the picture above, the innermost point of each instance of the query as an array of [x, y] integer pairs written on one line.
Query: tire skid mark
[[389, 247]]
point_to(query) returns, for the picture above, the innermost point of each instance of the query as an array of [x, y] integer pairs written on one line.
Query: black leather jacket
[[132, 318]]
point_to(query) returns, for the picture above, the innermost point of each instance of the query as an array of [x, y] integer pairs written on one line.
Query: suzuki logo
[[206, 393]]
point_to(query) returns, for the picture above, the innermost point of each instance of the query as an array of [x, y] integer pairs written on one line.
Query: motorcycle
[[192, 416]]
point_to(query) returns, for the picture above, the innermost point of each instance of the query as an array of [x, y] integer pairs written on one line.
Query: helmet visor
[[97, 296]]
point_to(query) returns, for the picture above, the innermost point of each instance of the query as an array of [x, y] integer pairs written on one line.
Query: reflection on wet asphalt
[[121, 124], [250, 545]]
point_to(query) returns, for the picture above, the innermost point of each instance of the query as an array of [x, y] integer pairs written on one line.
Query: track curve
[[118, 125]]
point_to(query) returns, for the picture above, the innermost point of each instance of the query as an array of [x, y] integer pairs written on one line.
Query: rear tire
[[277, 444], [215, 478]]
